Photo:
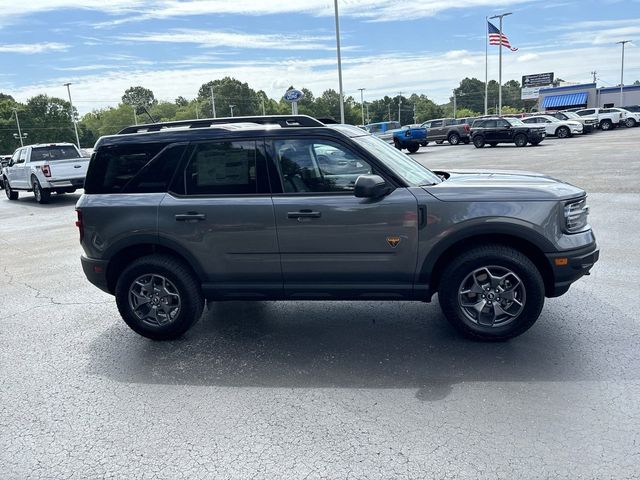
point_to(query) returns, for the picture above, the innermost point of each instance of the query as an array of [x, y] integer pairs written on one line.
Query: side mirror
[[371, 186]]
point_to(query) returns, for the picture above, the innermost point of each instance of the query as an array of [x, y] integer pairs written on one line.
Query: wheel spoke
[[154, 299]]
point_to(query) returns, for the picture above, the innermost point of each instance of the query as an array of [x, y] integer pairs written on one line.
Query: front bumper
[[569, 266], [96, 272]]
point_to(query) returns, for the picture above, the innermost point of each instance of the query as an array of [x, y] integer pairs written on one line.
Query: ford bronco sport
[[178, 213]]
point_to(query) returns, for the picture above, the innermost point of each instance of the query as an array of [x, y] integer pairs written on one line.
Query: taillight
[[80, 224], [46, 170], [467, 128]]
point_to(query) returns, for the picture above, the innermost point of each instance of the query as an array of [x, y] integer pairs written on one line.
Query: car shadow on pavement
[[28, 200], [350, 345]]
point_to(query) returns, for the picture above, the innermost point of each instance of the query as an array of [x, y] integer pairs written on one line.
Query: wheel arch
[[128, 253], [533, 246]]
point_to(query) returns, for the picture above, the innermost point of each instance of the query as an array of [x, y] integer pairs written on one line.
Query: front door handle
[[190, 217], [304, 214]]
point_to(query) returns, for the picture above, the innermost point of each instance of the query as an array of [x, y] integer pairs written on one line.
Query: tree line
[[49, 119]]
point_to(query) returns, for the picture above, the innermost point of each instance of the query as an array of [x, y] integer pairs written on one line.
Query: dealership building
[[586, 95]]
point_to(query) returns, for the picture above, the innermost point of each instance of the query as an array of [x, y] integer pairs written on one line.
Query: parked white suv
[[628, 118], [608, 118], [555, 127], [42, 169]]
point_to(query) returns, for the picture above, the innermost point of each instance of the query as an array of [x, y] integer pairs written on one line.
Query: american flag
[[494, 37]]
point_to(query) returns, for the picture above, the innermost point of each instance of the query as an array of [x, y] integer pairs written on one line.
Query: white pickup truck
[[43, 169], [608, 118]]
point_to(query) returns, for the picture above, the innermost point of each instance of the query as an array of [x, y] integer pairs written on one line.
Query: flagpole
[[500, 63], [486, 65]]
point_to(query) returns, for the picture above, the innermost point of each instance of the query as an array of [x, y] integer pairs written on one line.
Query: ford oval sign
[[293, 95]]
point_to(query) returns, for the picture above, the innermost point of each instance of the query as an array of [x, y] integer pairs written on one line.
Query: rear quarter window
[[121, 168]]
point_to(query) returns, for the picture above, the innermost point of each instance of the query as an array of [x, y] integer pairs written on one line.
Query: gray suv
[[254, 208]]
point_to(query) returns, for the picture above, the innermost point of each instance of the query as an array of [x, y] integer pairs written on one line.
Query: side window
[[436, 123], [157, 174], [478, 124], [450, 121], [502, 123], [225, 168], [15, 156], [23, 156], [582, 113], [426, 124], [489, 124], [529, 120], [608, 105], [374, 128], [113, 167], [317, 166]]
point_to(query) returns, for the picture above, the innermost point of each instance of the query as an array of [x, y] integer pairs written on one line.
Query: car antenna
[[153, 120]]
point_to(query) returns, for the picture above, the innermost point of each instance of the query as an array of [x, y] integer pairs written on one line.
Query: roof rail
[[285, 121]]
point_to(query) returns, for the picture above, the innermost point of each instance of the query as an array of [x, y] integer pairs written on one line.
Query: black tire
[[439, 142], [497, 258], [396, 144], [630, 122], [493, 144], [520, 140], [43, 195], [11, 194], [563, 132], [606, 125], [413, 148], [536, 143], [478, 141], [453, 139], [181, 280]]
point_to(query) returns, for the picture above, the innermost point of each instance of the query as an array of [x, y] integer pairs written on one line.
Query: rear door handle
[[304, 214], [190, 217]]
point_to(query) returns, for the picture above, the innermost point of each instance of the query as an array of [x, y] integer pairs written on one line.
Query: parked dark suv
[[495, 130], [275, 208]]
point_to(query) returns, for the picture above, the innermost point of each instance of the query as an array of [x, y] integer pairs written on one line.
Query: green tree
[[139, 98], [229, 91]]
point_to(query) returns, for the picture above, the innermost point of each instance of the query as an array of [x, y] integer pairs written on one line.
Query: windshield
[[54, 153], [515, 122], [402, 165], [571, 115]]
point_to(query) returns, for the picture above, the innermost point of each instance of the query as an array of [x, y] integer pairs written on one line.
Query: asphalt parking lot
[[327, 390]]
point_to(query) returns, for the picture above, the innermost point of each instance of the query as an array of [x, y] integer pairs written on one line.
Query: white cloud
[[434, 74], [212, 39], [33, 48], [527, 57], [136, 10]]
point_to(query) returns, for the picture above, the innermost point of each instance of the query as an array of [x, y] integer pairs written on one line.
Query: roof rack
[[285, 121]]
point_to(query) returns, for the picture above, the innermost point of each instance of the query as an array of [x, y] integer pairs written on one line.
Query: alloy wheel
[[492, 296], [154, 299]]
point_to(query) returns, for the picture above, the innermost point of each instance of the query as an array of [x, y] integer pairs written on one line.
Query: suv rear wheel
[[630, 122], [491, 293], [478, 141], [159, 297], [454, 139]]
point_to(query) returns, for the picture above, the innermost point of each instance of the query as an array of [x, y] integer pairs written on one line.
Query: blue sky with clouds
[[427, 46]]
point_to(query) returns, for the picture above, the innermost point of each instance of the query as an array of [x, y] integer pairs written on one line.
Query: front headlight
[[576, 215]]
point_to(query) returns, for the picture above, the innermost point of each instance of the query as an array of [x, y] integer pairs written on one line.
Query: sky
[[427, 46]]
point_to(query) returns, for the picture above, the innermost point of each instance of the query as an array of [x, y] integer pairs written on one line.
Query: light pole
[[213, 102], [399, 107], [501, 16], [15, 111], [73, 117], [231, 107], [623, 43], [454, 103], [362, 103], [335, 4]]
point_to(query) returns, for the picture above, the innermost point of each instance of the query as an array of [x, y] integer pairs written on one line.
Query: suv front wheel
[[491, 293], [159, 297]]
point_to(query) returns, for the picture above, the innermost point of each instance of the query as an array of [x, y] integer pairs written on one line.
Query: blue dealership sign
[[293, 95]]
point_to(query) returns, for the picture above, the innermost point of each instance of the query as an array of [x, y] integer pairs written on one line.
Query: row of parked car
[[521, 129]]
